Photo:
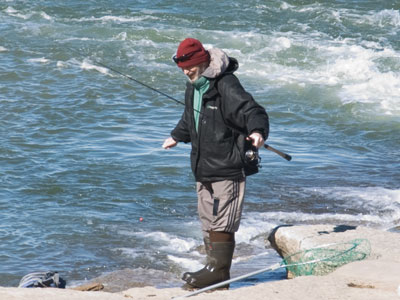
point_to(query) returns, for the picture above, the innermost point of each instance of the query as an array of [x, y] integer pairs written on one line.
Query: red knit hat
[[190, 53]]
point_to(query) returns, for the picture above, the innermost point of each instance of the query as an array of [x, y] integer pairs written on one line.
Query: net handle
[[274, 267], [217, 285]]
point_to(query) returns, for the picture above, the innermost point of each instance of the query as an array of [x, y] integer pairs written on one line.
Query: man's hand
[[256, 139], [169, 143]]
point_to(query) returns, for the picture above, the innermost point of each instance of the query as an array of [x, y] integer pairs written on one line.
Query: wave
[[45, 16], [169, 241], [385, 19], [86, 65], [361, 72], [369, 198], [26, 16], [189, 264], [114, 19], [42, 60], [380, 206], [15, 13]]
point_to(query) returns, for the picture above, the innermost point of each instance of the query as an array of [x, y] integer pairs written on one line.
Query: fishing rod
[[266, 146]]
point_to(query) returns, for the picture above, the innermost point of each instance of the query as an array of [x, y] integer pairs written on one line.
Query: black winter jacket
[[218, 151]]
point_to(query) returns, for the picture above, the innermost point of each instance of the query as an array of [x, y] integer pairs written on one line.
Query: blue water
[[80, 151]]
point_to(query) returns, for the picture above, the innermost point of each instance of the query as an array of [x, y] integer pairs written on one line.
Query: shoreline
[[377, 277], [334, 286]]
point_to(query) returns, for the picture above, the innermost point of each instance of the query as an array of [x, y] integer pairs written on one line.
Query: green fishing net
[[325, 259]]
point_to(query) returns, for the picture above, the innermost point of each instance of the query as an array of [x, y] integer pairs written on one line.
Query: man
[[222, 122]]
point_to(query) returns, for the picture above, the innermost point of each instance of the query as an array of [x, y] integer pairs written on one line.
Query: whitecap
[[2, 49], [282, 43], [10, 10], [61, 64], [186, 263], [252, 226], [382, 89], [264, 220], [116, 19], [85, 65], [119, 19], [377, 197], [39, 60], [357, 70], [383, 18], [285, 5], [172, 242], [45, 16], [362, 71], [121, 36], [381, 205], [179, 245], [132, 253], [15, 13], [146, 43], [168, 242]]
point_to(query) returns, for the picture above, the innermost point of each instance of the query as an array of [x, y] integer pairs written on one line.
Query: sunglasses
[[184, 57]]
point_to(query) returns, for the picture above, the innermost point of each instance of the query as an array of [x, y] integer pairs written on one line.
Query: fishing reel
[[252, 157]]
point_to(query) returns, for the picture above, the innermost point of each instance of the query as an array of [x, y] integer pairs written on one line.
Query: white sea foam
[[86, 65], [2, 49], [146, 43], [309, 8], [382, 89], [189, 264], [356, 69], [253, 225], [79, 39], [176, 248], [46, 16], [116, 19], [179, 245], [61, 64], [121, 36], [15, 13], [170, 243], [129, 252], [381, 206], [10, 10], [264, 220], [362, 72], [383, 18], [285, 5], [39, 60], [281, 43], [375, 197]]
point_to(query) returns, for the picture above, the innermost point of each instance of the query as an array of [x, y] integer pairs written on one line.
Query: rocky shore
[[376, 277]]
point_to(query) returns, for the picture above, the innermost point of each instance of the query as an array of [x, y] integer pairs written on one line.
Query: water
[[80, 150]]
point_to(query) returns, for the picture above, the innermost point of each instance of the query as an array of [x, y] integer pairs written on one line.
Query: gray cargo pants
[[220, 205]]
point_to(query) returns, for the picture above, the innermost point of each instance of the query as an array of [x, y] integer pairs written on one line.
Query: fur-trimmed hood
[[220, 63]]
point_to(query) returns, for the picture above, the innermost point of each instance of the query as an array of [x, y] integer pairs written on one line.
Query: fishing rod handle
[[284, 155]]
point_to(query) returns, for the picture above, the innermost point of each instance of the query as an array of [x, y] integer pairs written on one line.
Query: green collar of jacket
[[201, 86]]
